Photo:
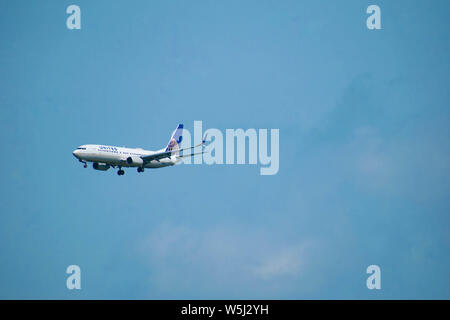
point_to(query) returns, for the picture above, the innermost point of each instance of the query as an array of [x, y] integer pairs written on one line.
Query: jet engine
[[101, 166], [135, 160]]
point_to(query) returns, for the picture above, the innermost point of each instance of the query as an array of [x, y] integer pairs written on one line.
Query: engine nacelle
[[135, 160], [101, 166]]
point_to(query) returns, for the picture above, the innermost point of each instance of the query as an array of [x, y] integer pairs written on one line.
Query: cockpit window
[[81, 148]]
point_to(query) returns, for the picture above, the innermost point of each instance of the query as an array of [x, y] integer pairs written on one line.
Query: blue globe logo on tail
[[175, 140]]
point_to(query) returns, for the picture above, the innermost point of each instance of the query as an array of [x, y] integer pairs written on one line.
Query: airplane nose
[[75, 153]]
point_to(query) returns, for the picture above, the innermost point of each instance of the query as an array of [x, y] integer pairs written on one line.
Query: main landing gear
[[140, 169], [120, 172]]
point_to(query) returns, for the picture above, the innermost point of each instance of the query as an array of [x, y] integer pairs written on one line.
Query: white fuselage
[[117, 156]]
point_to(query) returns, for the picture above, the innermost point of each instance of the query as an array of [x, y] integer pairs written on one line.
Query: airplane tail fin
[[175, 140]]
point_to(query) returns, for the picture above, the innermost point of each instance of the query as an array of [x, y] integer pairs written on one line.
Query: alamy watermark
[[240, 147], [74, 280], [373, 22], [374, 280], [74, 20]]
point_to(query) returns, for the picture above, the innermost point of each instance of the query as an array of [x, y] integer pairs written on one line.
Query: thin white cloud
[[286, 262], [222, 256]]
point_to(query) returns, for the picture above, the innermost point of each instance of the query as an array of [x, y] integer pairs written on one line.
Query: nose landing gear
[[85, 164]]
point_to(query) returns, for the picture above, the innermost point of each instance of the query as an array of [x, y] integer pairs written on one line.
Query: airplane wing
[[167, 154], [191, 155], [157, 156]]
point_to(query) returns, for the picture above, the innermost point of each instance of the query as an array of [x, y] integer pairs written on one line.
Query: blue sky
[[364, 149]]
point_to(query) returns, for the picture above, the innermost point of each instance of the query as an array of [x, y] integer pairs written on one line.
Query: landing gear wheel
[[84, 162], [140, 169], [120, 172]]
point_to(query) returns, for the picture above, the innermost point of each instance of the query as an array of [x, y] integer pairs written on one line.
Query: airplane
[[104, 157]]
